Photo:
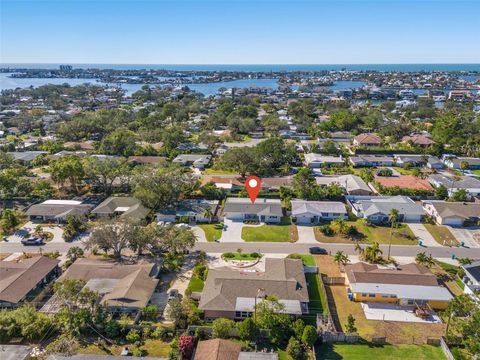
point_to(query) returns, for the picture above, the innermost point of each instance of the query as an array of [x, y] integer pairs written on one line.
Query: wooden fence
[[340, 280], [446, 350]]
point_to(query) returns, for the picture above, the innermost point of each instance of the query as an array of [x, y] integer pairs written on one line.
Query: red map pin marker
[[253, 187]]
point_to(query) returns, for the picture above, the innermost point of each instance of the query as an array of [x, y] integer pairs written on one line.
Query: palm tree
[[339, 226], [372, 253], [208, 213], [392, 217], [423, 259], [358, 249], [341, 258]]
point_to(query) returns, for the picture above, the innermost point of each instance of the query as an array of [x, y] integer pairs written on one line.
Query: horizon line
[[114, 63]]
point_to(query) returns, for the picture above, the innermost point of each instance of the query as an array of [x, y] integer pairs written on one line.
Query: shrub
[[200, 271], [256, 255], [112, 329], [221, 328], [150, 312], [228, 255], [133, 336], [294, 256], [162, 333], [326, 230]]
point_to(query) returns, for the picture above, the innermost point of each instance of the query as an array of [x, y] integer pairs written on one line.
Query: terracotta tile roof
[[367, 139], [217, 349], [418, 140], [404, 182]]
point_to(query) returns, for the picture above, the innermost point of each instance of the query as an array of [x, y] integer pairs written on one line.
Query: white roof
[[62, 202], [317, 207], [418, 292], [122, 208], [248, 304]]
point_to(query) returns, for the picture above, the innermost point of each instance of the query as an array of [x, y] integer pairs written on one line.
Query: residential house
[[146, 160], [455, 183], [220, 349], [275, 183], [232, 294], [404, 160], [371, 160], [58, 210], [314, 161], [190, 211], [226, 182], [353, 185], [456, 162], [367, 140], [407, 182], [125, 207], [435, 163], [376, 209], [452, 213], [418, 140], [123, 288], [264, 210], [196, 160], [471, 279], [26, 157], [407, 285], [312, 212], [20, 280]]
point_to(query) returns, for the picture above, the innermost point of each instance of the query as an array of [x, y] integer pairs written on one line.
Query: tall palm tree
[[358, 248], [372, 253], [423, 259], [392, 217], [341, 258]]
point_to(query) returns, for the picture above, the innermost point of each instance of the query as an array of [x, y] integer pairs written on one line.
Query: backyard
[[152, 347], [387, 352], [283, 232], [402, 235], [442, 235], [212, 231], [395, 332]]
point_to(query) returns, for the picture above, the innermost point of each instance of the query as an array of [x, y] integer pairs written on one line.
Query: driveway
[[306, 235], [199, 233], [421, 232], [232, 231], [29, 228], [465, 236]]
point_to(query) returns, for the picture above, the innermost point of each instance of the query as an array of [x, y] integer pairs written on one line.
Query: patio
[[393, 312]]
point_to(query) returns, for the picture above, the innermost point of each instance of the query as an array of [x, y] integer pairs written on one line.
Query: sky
[[240, 31]]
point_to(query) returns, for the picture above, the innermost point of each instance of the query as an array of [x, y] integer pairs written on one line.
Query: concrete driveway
[[199, 233], [465, 236], [29, 228], [421, 232], [306, 235], [232, 231]]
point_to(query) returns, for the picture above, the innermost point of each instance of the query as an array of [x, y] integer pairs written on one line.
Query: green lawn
[[385, 352], [153, 347], [195, 284], [442, 234], [219, 172], [212, 231], [476, 172], [283, 232], [402, 235], [317, 302], [308, 260]]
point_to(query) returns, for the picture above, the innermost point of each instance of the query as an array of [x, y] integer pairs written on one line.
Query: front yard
[[283, 232], [212, 231], [383, 352], [442, 235], [402, 235]]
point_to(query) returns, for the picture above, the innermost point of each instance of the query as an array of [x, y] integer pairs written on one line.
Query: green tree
[[295, 349], [68, 168], [310, 336], [112, 236], [269, 314], [133, 336], [441, 192], [159, 188], [221, 328], [247, 329], [423, 259], [341, 258], [176, 313], [392, 217], [350, 325], [298, 327], [9, 220], [103, 173], [119, 142], [460, 195], [372, 253]]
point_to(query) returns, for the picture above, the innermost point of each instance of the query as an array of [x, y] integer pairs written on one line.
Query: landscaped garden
[[379, 352], [442, 235], [241, 256], [212, 232], [283, 232], [363, 233]]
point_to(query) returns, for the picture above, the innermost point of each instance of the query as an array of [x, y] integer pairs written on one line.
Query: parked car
[[32, 241], [172, 294], [318, 250]]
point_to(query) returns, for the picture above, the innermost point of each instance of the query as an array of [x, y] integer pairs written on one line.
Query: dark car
[[318, 250], [32, 241]]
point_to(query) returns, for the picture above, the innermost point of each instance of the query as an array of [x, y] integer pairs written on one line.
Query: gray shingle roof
[[260, 207]]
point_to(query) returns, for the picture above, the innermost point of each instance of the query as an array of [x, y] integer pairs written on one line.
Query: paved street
[[283, 248]]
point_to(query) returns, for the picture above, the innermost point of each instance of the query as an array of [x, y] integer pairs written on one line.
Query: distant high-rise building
[[66, 67]]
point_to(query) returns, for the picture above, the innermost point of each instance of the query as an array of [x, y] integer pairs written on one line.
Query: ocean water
[[264, 67]]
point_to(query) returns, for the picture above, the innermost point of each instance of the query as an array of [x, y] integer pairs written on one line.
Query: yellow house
[[408, 285]]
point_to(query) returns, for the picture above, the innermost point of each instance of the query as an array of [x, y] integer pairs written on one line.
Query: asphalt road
[[281, 248]]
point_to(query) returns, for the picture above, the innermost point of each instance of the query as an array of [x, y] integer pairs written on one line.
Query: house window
[[364, 295], [410, 302], [371, 295]]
